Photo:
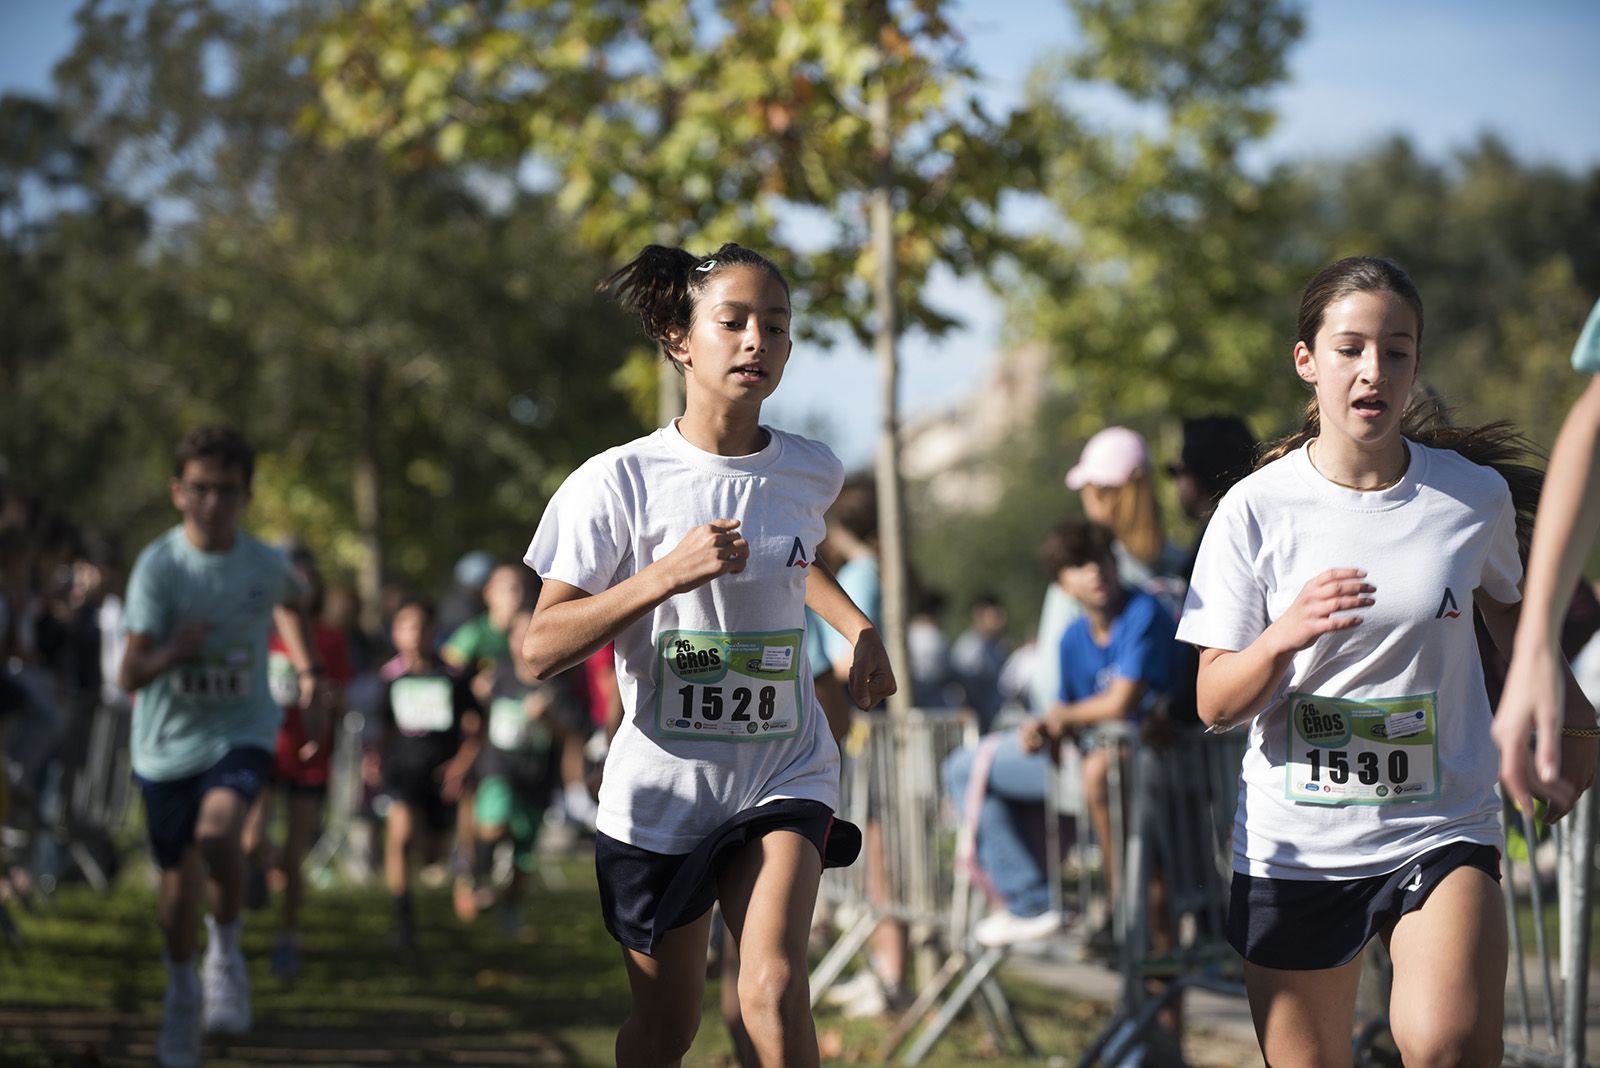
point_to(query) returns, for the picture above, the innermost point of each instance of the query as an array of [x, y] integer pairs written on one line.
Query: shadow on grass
[[85, 986]]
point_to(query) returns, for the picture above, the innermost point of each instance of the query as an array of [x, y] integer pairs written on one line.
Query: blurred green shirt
[[476, 645]]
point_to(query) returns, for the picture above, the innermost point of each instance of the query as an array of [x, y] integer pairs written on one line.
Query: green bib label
[[513, 730], [282, 680], [1370, 752]]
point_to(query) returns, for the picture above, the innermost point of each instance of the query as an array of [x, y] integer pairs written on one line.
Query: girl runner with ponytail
[[694, 549], [1332, 602]]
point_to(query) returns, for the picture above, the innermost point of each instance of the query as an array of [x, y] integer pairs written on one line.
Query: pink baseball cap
[[1110, 458]]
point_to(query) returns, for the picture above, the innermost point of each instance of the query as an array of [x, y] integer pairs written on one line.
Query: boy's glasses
[[222, 491]]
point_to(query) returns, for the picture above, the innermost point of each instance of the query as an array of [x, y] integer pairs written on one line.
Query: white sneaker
[[178, 1043], [227, 994], [1004, 928], [864, 985], [581, 808]]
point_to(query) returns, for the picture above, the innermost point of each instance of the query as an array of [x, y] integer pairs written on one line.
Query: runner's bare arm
[[1535, 698], [870, 676], [570, 624], [145, 657], [294, 627], [827, 598], [1233, 686], [1577, 755]]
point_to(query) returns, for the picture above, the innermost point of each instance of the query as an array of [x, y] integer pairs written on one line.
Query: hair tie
[[707, 266]]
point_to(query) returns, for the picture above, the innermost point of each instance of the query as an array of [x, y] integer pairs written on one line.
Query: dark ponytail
[[1425, 421], [660, 286], [1498, 445]]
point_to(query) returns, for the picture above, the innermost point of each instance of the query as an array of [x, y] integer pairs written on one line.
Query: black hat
[[1218, 450]]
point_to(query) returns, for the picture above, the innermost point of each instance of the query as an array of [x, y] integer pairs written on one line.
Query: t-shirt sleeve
[[583, 537], [146, 611], [285, 580], [1226, 606], [1144, 646], [1502, 565], [1586, 353], [461, 648], [1066, 691]]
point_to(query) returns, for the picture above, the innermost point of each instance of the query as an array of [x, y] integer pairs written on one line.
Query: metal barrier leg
[[1574, 1035], [840, 954], [981, 969], [927, 998], [995, 998], [1518, 963], [1536, 893]]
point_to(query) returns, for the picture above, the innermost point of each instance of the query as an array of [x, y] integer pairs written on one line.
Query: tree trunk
[[364, 485], [891, 505]]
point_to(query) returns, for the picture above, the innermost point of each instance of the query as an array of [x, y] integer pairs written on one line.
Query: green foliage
[[683, 123], [438, 322], [1157, 297], [1161, 289], [1503, 254], [1170, 286]]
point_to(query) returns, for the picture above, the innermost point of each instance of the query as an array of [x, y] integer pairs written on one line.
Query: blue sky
[[1440, 71]]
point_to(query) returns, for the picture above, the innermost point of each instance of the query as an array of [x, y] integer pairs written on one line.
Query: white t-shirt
[[720, 715], [1446, 530]]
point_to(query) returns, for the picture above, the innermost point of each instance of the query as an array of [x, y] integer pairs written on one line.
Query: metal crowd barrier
[[1561, 1037], [1170, 808], [891, 782], [967, 965], [341, 846], [1178, 823], [72, 824]]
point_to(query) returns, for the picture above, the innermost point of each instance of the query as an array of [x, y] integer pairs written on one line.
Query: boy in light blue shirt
[[201, 600]]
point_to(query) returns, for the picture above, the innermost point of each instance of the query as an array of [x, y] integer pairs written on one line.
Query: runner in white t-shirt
[[693, 548], [1333, 600]]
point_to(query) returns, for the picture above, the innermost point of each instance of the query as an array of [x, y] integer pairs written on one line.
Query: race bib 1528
[[732, 687]]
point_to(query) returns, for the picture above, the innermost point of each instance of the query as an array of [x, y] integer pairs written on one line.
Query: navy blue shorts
[[643, 895], [1306, 925], [173, 808]]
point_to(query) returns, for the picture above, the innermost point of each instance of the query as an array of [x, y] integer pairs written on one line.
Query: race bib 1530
[[1370, 752]]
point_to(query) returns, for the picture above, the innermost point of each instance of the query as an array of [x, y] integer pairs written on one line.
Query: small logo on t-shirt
[[1447, 607], [1413, 881], [797, 555]]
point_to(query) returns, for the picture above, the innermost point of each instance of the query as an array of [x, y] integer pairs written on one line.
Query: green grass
[[85, 989]]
